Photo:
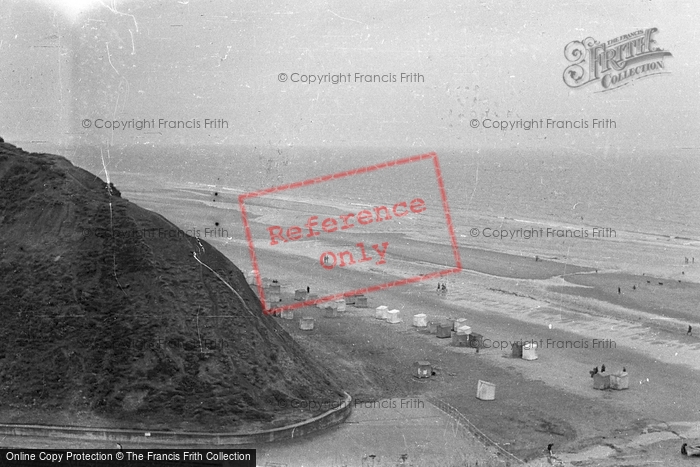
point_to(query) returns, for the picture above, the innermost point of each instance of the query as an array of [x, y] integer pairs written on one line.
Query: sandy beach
[[570, 305]]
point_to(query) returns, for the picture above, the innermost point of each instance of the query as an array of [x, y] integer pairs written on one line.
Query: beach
[[568, 304]]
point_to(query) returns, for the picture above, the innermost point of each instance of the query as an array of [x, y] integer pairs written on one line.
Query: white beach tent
[[251, 277], [381, 312], [459, 323], [530, 351], [420, 320], [393, 317], [486, 391], [619, 380], [287, 314], [306, 324]]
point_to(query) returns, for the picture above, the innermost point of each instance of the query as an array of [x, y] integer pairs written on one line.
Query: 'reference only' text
[[313, 228]]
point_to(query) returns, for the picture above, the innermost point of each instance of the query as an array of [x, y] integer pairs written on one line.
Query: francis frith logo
[[614, 63]]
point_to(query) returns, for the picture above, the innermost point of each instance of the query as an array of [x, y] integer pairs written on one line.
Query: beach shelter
[[306, 324], [444, 330], [287, 314], [460, 338], [340, 304], [381, 311], [432, 327], [272, 297], [422, 369], [393, 317], [330, 312], [529, 351], [459, 323], [360, 301], [517, 350], [350, 299], [486, 391], [476, 341], [619, 380], [601, 381], [251, 277], [420, 320], [274, 287], [312, 296], [300, 294]]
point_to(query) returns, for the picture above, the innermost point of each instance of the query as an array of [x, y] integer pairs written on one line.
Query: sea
[[645, 192]]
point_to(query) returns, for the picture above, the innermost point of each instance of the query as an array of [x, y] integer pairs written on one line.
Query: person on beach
[[690, 330], [619, 291], [308, 289], [602, 368], [537, 258]]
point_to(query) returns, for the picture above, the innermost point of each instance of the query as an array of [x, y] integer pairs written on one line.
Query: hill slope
[[109, 319]]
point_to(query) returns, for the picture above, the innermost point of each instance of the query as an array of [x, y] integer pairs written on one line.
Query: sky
[[69, 68]]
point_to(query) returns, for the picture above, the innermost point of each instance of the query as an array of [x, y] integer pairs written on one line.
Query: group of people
[[442, 287], [595, 371]]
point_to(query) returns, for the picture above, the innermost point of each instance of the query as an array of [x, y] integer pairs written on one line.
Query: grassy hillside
[[108, 318]]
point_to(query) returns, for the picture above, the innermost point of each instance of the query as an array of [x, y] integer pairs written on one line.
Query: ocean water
[[656, 194]]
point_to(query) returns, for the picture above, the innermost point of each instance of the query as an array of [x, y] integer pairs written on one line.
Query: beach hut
[[251, 277], [619, 380], [517, 350], [422, 369], [529, 351], [460, 338], [360, 301], [272, 297], [312, 296], [330, 312], [432, 326], [459, 323], [340, 305], [350, 299], [476, 341], [393, 317], [381, 311], [601, 381], [306, 324], [444, 330], [300, 295], [420, 320], [274, 287], [486, 391], [287, 314]]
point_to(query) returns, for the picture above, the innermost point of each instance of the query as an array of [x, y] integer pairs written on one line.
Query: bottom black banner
[[128, 457]]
